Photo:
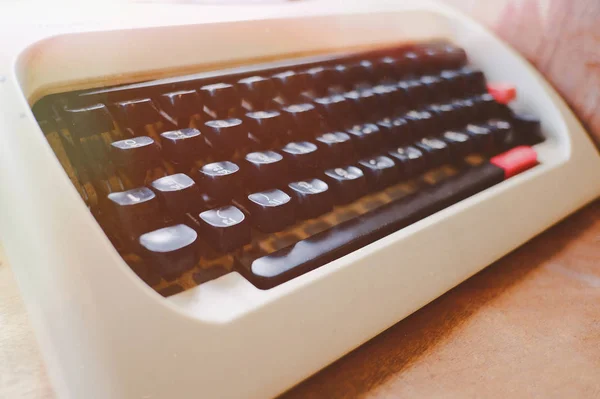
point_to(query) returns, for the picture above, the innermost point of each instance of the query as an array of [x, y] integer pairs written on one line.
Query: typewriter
[[218, 201]]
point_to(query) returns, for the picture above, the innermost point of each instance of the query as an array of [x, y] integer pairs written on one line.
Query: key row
[[266, 130], [221, 100], [140, 210]]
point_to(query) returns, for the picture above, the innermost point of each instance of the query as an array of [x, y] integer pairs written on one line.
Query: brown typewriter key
[[171, 250], [137, 210], [271, 210], [265, 169], [409, 160], [437, 151], [137, 113], [181, 105], [346, 183], [367, 138], [222, 181], [257, 90], [225, 228], [303, 158], [226, 134], [337, 147], [267, 126], [178, 194], [290, 83], [183, 146], [312, 196], [90, 120], [380, 171], [220, 98]]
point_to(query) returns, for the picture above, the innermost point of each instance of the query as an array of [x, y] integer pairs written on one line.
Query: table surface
[[527, 326]]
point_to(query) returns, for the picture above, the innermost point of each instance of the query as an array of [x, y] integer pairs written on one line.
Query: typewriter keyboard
[[275, 169]]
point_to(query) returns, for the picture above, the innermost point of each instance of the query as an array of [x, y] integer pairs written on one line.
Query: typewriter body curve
[[105, 333]]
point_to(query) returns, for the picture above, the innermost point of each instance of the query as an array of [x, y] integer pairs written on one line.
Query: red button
[[502, 92], [516, 160]]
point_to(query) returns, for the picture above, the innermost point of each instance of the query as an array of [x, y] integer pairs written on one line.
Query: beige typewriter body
[[106, 334]]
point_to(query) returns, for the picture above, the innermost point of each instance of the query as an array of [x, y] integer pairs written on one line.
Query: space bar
[[280, 266]]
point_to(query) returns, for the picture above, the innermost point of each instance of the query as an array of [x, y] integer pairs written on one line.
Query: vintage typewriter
[[222, 200]]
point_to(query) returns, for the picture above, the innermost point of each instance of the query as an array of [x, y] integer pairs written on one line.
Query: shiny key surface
[[90, 120], [347, 183], [136, 113], [271, 210], [178, 194], [226, 133], [303, 157], [225, 228], [137, 210], [171, 250], [136, 150], [221, 180], [313, 197], [184, 145], [266, 169]]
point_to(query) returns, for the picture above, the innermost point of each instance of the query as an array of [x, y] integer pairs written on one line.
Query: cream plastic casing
[[105, 334]]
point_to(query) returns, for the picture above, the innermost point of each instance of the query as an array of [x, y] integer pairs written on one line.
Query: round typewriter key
[[313, 197], [183, 146], [336, 110], [257, 90], [271, 210], [226, 133], [137, 113], [438, 151], [303, 119], [290, 84], [436, 90], [320, 78], [410, 62], [182, 103], [303, 157], [89, 120], [413, 92], [266, 169], [225, 228], [460, 144], [502, 131], [136, 150], [267, 126], [138, 210], [346, 183], [337, 147], [409, 160], [178, 193], [222, 181], [421, 123], [220, 98], [483, 138], [388, 69], [395, 131], [380, 171], [171, 250], [473, 81], [367, 138], [528, 128]]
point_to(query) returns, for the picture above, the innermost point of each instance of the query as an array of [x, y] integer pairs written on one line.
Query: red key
[[503, 93], [516, 160]]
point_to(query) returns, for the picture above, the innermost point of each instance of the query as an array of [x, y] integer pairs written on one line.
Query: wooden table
[[527, 326]]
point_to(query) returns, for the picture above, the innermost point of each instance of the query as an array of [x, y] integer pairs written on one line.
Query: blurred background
[[560, 37]]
